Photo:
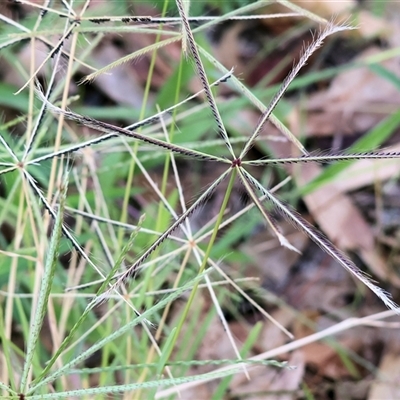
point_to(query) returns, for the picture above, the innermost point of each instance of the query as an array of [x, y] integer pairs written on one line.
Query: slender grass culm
[[117, 300]]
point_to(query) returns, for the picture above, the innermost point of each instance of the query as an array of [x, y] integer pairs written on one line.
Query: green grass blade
[[45, 288], [370, 141], [385, 73], [167, 350], [119, 332], [90, 306], [6, 346], [247, 345], [118, 389]]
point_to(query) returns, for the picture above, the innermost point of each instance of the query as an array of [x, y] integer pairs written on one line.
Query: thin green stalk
[[147, 285], [247, 345], [124, 213], [45, 288], [6, 356], [162, 323], [205, 259], [7, 374], [131, 172]]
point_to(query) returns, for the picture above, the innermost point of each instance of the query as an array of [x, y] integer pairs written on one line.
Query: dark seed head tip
[[237, 162]]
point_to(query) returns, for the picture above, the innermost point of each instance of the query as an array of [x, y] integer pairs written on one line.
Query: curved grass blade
[[7, 170], [130, 57], [317, 237], [10, 43], [307, 53]]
